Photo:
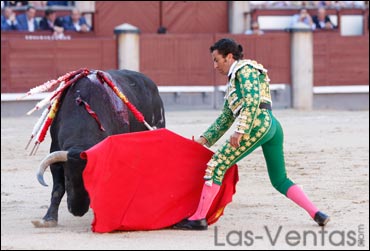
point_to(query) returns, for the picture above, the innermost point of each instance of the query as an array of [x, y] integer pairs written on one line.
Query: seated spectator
[[8, 21], [321, 20], [255, 29], [27, 21], [303, 17], [76, 22], [52, 23]]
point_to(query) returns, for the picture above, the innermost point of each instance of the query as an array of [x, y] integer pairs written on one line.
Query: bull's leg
[[51, 217], [57, 193]]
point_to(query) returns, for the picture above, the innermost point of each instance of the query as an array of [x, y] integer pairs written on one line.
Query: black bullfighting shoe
[[192, 224], [321, 218]]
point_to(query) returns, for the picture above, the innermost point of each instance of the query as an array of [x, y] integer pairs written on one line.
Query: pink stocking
[[296, 194], [206, 199]]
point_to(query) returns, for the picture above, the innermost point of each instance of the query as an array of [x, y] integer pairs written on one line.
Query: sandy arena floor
[[327, 153]]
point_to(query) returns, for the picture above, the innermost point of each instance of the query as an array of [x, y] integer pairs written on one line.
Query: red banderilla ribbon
[[138, 115]]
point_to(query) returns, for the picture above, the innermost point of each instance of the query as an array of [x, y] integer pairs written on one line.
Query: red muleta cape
[[149, 180]]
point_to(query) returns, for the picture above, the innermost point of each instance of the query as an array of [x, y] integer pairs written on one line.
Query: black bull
[[74, 130]]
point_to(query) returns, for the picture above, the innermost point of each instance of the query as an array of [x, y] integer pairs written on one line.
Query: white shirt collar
[[232, 68]]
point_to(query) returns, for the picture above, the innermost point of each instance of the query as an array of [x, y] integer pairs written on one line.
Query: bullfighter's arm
[[220, 126]]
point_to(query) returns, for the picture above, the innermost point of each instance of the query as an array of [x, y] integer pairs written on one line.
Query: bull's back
[[74, 122], [84, 107], [143, 93]]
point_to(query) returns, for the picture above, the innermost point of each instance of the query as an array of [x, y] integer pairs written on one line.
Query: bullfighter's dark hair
[[226, 46]]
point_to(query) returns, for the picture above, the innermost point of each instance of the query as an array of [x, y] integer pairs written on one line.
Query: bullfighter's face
[[221, 63]]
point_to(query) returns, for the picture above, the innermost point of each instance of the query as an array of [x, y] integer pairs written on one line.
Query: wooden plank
[[182, 60], [29, 63], [5, 66], [176, 59], [340, 60], [270, 50]]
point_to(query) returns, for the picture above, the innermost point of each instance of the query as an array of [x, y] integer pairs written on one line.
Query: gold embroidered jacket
[[247, 88]]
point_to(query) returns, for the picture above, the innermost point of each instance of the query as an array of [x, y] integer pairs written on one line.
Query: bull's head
[[77, 197]]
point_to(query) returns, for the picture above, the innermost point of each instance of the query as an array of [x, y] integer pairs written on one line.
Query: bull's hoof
[[44, 224]]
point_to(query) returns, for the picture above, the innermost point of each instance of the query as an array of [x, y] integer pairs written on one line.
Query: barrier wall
[[30, 59]]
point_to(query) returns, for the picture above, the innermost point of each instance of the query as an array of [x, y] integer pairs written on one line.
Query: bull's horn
[[58, 156]]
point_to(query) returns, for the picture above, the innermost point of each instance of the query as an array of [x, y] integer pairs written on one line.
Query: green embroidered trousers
[[269, 135]]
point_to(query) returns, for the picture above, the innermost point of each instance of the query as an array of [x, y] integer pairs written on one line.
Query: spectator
[[27, 21], [8, 20], [52, 23], [255, 29], [76, 22], [321, 20], [303, 17]]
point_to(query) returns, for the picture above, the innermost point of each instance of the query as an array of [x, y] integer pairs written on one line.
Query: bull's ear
[[74, 156]]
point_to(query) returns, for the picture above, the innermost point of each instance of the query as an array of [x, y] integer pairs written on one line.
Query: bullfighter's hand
[[235, 139], [201, 140]]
